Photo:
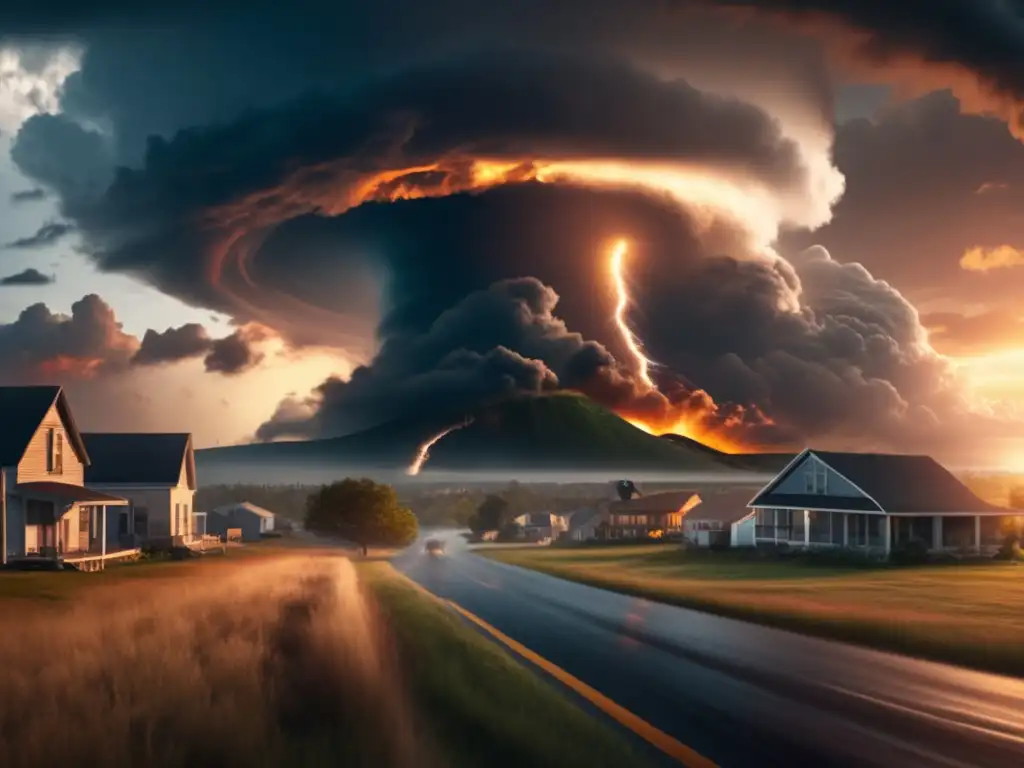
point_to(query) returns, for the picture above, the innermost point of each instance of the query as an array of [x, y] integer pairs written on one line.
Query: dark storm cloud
[[830, 353], [41, 346], [497, 342], [174, 344], [48, 234], [912, 205], [511, 105], [28, 195], [28, 276], [236, 353]]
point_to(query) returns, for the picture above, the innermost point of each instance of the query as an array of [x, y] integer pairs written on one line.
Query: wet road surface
[[737, 693]]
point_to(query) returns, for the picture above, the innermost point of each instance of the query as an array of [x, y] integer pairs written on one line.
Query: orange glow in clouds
[[693, 423]]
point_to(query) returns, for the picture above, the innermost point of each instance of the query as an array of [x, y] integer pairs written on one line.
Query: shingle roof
[[669, 501], [21, 412], [228, 509], [898, 483], [129, 458], [581, 517], [725, 506]]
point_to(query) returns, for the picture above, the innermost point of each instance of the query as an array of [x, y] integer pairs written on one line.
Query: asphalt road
[[740, 694]]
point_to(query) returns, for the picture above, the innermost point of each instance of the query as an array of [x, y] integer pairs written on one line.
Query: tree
[[363, 512], [491, 515], [626, 489]]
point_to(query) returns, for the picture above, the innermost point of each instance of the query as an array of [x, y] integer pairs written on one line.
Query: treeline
[[450, 505]]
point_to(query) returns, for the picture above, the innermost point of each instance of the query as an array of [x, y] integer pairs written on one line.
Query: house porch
[[57, 519], [877, 533]]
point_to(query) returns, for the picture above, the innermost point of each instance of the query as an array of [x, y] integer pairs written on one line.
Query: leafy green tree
[[491, 515], [363, 512]]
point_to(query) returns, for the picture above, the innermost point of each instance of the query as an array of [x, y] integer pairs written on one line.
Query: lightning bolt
[[424, 450], [643, 364]]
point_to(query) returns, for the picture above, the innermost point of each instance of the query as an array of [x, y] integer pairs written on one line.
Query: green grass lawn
[[484, 707], [971, 615]]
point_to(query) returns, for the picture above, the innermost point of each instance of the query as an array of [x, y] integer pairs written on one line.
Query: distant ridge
[[550, 433], [772, 463]]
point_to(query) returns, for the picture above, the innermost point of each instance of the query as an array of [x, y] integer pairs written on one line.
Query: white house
[[538, 526], [710, 521], [156, 472], [874, 503], [45, 507], [252, 520], [584, 523]]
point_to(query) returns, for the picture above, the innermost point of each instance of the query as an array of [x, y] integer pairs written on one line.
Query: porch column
[[103, 539], [807, 528], [775, 528], [846, 529], [887, 535], [937, 533], [977, 533]]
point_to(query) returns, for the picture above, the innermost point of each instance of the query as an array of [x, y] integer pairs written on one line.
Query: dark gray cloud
[[984, 37], [205, 195], [28, 195], [913, 204], [236, 353], [48, 234], [494, 343], [41, 346], [29, 276], [174, 344]]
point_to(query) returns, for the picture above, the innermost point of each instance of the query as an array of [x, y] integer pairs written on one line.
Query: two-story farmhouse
[[156, 472], [45, 507], [874, 502]]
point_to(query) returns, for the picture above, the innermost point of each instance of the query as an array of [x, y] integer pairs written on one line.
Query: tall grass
[[280, 663]]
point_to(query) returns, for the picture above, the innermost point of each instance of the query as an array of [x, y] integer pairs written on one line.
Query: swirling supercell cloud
[[436, 189]]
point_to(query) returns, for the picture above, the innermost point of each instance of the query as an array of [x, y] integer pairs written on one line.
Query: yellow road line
[[640, 727]]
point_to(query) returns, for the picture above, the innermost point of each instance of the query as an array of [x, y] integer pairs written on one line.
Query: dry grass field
[[280, 658], [966, 614]]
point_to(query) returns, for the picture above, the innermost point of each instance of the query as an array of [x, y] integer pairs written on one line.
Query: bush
[[912, 552]]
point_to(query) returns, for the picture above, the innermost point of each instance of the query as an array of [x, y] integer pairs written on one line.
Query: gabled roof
[[247, 506], [895, 483], [22, 410], [725, 506], [139, 458], [580, 517], [669, 501]]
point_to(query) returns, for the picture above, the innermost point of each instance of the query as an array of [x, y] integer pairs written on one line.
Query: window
[[50, 449], [816, 478], [177, 520], [141, 515], [58, 454], [84, 516]]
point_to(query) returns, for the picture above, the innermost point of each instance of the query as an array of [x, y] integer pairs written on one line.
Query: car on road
[[434, 547]]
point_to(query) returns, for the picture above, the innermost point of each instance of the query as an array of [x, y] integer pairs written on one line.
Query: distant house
[[585, 524], [43, 499], [874, 503], [710, 521], [156, 472], [252, 520], [660, 514], [538, 526]]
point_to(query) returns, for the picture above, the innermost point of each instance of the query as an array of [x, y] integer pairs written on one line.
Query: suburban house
[[585, 524], [875, 503], [252, 520], [45, 507], [710, 521], [654, 516], [538, 526], [156, 472]]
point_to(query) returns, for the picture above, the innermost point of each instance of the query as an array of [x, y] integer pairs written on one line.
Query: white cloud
[[31, 90]]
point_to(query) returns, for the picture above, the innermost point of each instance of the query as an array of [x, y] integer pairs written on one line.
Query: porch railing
[[96, 562]]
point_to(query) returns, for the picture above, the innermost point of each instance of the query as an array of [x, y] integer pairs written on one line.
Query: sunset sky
[[264, 222]]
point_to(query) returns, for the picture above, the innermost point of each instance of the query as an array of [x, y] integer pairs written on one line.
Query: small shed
[[253, 520]]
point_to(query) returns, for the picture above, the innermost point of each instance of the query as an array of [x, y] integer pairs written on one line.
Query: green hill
[[541, 433]]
